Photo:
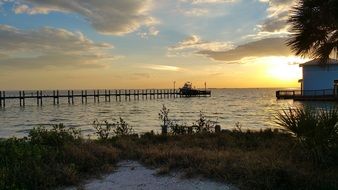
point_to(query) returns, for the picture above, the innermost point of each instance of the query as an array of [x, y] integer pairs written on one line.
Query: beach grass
[[302, 156], [249, 160]]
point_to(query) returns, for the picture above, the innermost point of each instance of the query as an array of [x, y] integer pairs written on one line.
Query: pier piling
[[0, 99], [72, 97], [40, 97], [20, 94], [86, 96], [54, 96], [4, 98], [24, 99], [82, 96], [37, 98], [68, 96], [57, 97]]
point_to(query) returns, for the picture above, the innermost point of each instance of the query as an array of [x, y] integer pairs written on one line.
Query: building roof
[[316, 62]]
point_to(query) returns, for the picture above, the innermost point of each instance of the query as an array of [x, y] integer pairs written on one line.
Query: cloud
[[50, 47], [193, 44], [163, 67], [195, 12], [198, 8], [260, 48], [278, 12], [275, 23], [55, 61], [20, 9], [151, 31], [112, 17]]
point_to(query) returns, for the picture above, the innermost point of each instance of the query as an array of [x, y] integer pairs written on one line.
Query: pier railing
[[323, 94], [84, 95]]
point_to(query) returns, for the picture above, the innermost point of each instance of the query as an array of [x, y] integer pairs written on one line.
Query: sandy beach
[[132, 175]]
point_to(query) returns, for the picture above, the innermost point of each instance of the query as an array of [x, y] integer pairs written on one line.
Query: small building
[[317, 76]]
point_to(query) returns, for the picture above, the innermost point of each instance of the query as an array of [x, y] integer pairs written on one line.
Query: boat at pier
[[188, 90]]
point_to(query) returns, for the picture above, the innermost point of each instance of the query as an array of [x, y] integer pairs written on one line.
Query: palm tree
[[314, 28]]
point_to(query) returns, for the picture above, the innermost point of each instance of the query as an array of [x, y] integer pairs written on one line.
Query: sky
[[92, 44]]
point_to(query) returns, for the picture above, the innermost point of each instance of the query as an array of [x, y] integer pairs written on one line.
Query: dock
[[308, 95], [96, 95]]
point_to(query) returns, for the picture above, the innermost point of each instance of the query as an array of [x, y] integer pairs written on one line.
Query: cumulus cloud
[[260, 48], [50, 47], [106, 16], [278, 12], [193, 44], [151, 31], [20, 9]]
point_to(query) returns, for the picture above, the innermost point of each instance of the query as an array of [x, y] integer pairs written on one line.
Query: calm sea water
[[252, 108]]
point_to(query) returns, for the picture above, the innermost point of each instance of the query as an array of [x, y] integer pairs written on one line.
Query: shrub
[[106, 130], [103, 129], [51, 158], [316, 130], [203, 124], [57, 136], [178, 129], [122, 128], [164, 117]]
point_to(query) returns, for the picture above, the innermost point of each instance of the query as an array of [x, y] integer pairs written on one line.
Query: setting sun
[[285, 68]]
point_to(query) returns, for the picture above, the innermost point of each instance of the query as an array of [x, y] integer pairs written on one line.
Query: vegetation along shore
[[302, 156]]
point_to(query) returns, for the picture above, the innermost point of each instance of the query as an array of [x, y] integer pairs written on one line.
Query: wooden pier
[[96, 95], [308, 95]]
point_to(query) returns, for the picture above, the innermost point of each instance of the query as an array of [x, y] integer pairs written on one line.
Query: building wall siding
[[317, 78]]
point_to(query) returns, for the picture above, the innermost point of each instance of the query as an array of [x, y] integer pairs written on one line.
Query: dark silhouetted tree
[[314, 27]]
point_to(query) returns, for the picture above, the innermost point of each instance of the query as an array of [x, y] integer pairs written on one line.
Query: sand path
[[131, 175]]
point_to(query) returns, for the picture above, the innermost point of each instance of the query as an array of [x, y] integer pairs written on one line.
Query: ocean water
[[252, 108]]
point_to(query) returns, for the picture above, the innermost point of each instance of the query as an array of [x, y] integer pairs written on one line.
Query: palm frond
[[314, 29]]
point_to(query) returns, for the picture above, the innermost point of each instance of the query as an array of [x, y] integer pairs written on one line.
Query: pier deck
[[308, 95], [96, 95]]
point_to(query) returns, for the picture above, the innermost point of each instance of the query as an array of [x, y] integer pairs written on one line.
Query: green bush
[[122, 128], [316, 130], [103, 129], [50, 158], [178, 129], [57, 136], [202, 125], [106, 130]]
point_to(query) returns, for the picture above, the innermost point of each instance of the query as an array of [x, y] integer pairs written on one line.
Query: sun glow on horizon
[[285, 69]]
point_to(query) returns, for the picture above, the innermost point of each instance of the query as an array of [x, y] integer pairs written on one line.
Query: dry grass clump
[[249, 160]]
